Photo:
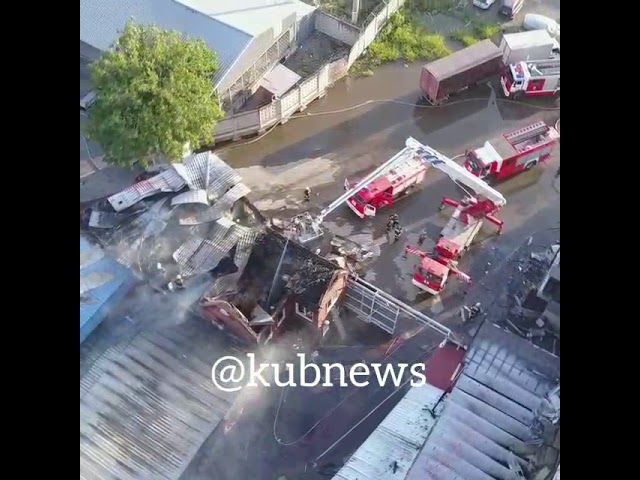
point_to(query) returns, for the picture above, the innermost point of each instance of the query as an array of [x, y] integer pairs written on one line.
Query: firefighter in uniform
[[394, 220], [394, 227], [422, 237]]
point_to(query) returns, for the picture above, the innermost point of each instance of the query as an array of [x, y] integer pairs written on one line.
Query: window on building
[[304, 313]]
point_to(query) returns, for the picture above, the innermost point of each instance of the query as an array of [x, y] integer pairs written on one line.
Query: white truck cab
[[483, 4]]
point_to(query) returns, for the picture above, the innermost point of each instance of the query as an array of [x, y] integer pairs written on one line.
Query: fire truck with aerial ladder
[[306, 228], [466, 221], [456, 237], [533, 78], [403, 172], [513, 152]]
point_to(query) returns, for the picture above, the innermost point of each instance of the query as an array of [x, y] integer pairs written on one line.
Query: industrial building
[[492, 413], [250, 37]]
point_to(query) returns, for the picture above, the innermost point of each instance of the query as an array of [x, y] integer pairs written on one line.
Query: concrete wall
[[336, 28], [378, 18], [306, 26], [279, 111], [256, 121]]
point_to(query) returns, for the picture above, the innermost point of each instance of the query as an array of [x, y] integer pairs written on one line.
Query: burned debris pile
[[189, 219], [526, 296], [281, 282], [277, 268]]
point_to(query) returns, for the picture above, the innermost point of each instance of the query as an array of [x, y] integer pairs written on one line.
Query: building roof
[[490, 420], [147, 403], [279, 80], [103, 282], [397, 439], [102, 21], [250, 16]]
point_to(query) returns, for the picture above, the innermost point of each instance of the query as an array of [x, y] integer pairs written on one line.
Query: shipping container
[[458, 71], [522, 46]]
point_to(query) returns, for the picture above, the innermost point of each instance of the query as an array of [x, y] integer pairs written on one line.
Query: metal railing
[[373, 305]]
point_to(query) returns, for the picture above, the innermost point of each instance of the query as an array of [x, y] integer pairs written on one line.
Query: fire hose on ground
[[398, 102]]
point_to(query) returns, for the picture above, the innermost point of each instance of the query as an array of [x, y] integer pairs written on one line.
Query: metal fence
[[279, 111], [376, 20]]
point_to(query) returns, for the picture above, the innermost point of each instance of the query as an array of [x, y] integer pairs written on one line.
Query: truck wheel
[[530, 165], [517, 95]]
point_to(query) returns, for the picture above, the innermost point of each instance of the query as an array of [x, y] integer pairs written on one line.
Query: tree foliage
[[405, 38], [154, 96]]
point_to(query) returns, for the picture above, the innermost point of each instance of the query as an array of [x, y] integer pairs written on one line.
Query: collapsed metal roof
[[278, 267], [189, 235], [200, 255], [498, 421], [200, 171]]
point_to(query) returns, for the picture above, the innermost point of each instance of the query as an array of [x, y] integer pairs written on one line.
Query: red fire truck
[[513, 152], [534, 78], [455, 238], [405, 172]]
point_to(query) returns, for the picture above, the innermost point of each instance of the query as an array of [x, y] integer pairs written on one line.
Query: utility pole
[[355, 10]]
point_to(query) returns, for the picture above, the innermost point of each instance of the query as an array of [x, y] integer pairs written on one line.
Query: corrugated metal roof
[[166, 181], [251, 16], [398, 439], [148, 403], [207, 171], [489, 420], [192, 196], [102, 21], [199, 255], [244, 247], [486, 424], [103, 282], [219, 208], [201, 171]]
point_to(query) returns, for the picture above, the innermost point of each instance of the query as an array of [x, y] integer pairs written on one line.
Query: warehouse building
[[250, 37]]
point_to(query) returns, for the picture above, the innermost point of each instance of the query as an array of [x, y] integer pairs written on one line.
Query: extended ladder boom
[[388, 165], [543, 67], [456, 172]]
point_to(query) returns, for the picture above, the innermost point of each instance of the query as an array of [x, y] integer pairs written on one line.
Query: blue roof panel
[[96, 302]]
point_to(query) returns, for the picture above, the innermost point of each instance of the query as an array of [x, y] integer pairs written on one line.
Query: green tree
[[154, 96]]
